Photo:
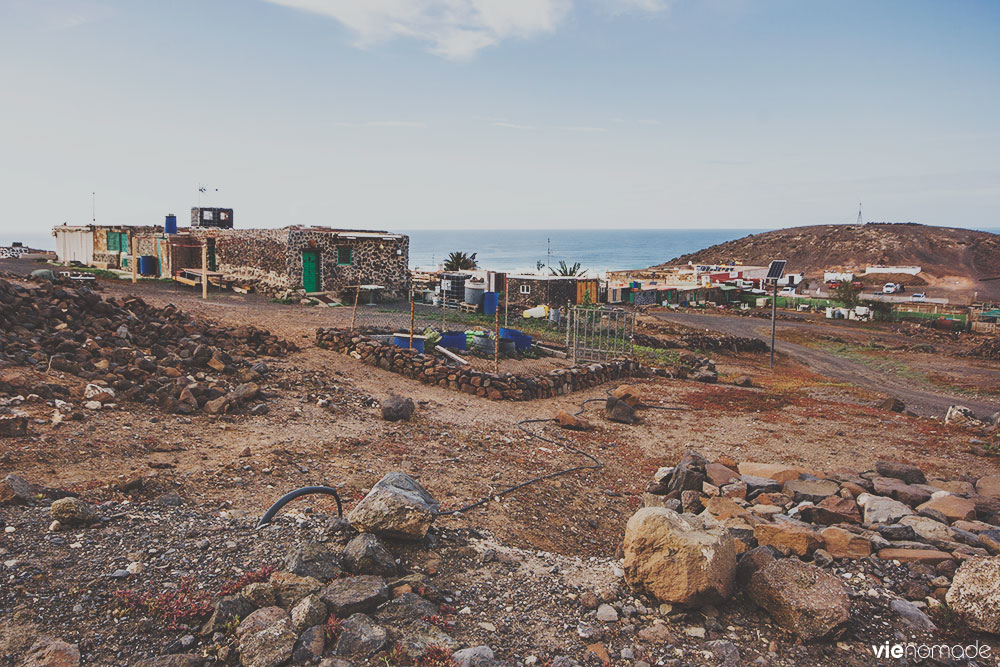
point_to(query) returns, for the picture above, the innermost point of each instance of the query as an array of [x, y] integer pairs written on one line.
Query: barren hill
[[951, 259]]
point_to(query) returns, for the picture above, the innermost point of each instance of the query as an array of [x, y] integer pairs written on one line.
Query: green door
[[310, 270]]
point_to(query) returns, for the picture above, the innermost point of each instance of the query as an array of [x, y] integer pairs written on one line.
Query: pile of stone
[[433, 370], [709, 530], [125, 349], [345, 598], [988, 349]]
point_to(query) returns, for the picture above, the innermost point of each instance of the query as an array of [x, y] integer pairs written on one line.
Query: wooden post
[[506, 300], [496, 343], [411, 319], [132, 242], [204, 270], [354, 312]]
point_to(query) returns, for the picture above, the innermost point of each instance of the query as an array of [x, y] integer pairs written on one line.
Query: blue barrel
[[490, 302], [522, 342], [509, 333], [404, 342], [147, 265], [170, 224], [453, 339]]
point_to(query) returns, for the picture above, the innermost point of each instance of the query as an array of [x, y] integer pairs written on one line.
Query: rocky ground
[[156, 507]]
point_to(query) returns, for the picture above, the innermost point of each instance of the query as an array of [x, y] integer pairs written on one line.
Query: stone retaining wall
[[501, 387]]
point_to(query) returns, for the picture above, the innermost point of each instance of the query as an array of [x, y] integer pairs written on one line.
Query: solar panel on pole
[[776, 269], [774, 272]]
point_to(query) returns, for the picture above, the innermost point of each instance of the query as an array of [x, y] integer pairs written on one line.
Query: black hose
[[597, 465], [292, 495]]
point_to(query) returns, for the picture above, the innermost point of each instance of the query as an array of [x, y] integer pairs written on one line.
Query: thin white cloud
[[651, 6], [513, 126], [455, 29], [381, 123], [394, 123]]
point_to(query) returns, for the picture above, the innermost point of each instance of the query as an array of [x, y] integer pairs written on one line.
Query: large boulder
[[360, 637], [269, 647], [313, 559], [396, 506], [396, 408], [679, 558], [365, 554], [14, 489], [879, 509], [800, 597], [73, 512], [354, 595], [689, 474], [619, 411], [908, 473], [975, 593]]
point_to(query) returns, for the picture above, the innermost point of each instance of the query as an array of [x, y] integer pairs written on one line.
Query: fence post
[[496, 343], [134, 240], [411, 319], [204, 270], [506, 300], [354, 311]]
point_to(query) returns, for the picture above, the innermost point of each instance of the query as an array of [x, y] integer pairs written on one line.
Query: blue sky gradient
[[409, 114]]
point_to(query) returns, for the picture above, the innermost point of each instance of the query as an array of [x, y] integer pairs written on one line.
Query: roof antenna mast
[[860, 220]]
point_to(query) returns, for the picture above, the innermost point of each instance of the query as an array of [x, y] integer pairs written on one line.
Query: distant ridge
[[951, 259]]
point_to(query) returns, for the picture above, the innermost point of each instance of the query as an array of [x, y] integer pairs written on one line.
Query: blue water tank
[[147, 265], [453, 339], [170, 224], [404, 342], [490, 302]]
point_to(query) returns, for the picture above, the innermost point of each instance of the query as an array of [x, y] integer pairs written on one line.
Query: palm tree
[[567, 270], [460, 261]]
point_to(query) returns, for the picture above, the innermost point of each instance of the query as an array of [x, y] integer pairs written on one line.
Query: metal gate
[[599, 334]]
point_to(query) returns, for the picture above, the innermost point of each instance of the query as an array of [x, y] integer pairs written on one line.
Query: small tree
[[847, 294], [460, 261], [567, 270]]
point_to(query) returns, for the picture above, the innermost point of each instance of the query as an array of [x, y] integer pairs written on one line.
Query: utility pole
[[93, 208], [774, 314]]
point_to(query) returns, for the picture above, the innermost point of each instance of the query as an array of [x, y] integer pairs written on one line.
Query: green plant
[[576, 269], [848, 294], [460, 261]]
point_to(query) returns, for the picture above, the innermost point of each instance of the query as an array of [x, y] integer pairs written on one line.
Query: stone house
[[526, 290], [317, 259]]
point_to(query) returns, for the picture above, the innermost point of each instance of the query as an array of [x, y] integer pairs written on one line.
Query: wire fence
[[527, 345], [556, 338]]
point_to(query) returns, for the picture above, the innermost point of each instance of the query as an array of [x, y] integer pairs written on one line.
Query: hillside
[[951, 259]]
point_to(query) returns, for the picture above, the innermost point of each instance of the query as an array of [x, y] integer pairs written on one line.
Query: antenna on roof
[[860, 219]]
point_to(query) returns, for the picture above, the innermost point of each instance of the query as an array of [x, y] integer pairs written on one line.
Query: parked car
[[918, 296], [833, 284], [787, 291], [890, 288]]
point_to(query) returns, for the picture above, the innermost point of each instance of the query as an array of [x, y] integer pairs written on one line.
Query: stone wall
[[551, 292], [272, 258], [375, 260], [252, 255], [505, 386]]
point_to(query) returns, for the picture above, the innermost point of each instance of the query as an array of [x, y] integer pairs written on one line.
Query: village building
[[316, 259], [527, 290]]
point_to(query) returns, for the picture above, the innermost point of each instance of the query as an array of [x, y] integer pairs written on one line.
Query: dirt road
[[922, 401]]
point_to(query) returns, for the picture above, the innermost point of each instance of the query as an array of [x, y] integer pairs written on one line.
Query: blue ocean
[[597, 250]]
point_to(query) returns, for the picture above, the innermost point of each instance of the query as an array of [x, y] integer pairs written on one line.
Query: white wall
[[75, 245]]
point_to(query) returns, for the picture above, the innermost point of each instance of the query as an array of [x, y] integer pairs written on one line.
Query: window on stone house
[[525, 289], [344, 256]]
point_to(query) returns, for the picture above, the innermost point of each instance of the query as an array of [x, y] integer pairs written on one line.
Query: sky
[[532, 114]]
